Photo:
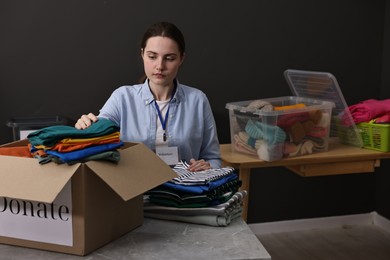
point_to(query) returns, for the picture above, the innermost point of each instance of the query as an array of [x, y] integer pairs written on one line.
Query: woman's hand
[[200, 165], [85, 121]]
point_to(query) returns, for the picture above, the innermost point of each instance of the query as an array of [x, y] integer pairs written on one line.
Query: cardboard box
[[79, 208]]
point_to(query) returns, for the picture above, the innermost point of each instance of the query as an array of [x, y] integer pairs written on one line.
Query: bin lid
[[36, 121], [324, 86]]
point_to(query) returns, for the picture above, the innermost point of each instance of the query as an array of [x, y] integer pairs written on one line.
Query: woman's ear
[[182, 58]]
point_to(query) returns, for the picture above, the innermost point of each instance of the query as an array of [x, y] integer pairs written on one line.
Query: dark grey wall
[[382, 190], [66, 57]]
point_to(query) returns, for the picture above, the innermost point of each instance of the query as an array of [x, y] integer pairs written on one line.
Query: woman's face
[[162, 60]]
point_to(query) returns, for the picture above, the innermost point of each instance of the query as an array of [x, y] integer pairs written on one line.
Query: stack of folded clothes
[[209, 197], [66, 144]]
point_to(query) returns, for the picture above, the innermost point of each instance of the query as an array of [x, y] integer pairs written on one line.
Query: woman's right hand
[[85, 121]]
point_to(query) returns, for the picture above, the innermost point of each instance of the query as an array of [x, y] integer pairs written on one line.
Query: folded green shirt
[[49, 136]]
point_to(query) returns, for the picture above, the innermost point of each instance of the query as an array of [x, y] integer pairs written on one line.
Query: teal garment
[[49, 136]]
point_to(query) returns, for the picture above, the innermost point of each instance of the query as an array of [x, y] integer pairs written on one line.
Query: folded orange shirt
[[60, 147], [20, 151]]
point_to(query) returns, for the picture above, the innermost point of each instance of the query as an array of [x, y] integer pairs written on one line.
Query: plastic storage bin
[[22, 126], [274, 128], [375, 136]]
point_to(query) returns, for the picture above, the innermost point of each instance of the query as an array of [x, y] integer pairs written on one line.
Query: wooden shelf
[[339, 159]]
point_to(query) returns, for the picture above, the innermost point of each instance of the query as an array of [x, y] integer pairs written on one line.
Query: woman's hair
[[165, 29]]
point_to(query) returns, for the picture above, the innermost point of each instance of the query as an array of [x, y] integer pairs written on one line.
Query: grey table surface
[[162, 239]]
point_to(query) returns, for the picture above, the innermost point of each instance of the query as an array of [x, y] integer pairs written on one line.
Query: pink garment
[[318, 132], [242, 147], [367, 110], [384, 119]]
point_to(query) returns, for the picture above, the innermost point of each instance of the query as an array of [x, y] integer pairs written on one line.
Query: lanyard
[[164, 122]]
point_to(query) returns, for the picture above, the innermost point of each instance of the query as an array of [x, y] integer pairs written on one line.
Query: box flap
[[138, 170], [26, 179], [324, 86]]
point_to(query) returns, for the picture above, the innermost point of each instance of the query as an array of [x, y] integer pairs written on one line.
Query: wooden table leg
[[244, 175]]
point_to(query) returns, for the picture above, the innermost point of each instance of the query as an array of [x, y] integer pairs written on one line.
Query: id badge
[[168, 154]]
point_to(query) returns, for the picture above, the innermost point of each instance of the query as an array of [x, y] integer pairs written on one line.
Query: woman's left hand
[[200, 165]]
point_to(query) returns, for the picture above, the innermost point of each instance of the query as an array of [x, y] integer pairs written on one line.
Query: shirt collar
[[149, 98]]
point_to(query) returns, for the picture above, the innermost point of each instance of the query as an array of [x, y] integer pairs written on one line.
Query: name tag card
[[169, 155]]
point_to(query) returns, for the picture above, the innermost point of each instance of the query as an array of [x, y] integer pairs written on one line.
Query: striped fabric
[[186, 177]]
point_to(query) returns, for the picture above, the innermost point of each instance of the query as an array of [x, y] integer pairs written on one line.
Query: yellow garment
[[85, 140]]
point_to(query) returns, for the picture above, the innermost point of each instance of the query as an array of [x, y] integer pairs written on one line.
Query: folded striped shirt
[[186, 177]]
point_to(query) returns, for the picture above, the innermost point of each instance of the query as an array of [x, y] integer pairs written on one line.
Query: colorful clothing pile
[[209, 197], [66, 144], [377, 111], [292, 134]]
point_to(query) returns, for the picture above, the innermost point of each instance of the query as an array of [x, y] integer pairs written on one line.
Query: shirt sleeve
[[210, 150]]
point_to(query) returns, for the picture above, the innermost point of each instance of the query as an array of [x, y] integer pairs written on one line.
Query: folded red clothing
[[369, 109]]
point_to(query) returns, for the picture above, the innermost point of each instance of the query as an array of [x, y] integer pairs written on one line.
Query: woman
[[172, 119]]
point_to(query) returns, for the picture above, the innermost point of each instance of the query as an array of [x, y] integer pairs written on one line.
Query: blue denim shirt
[[191, 125]]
